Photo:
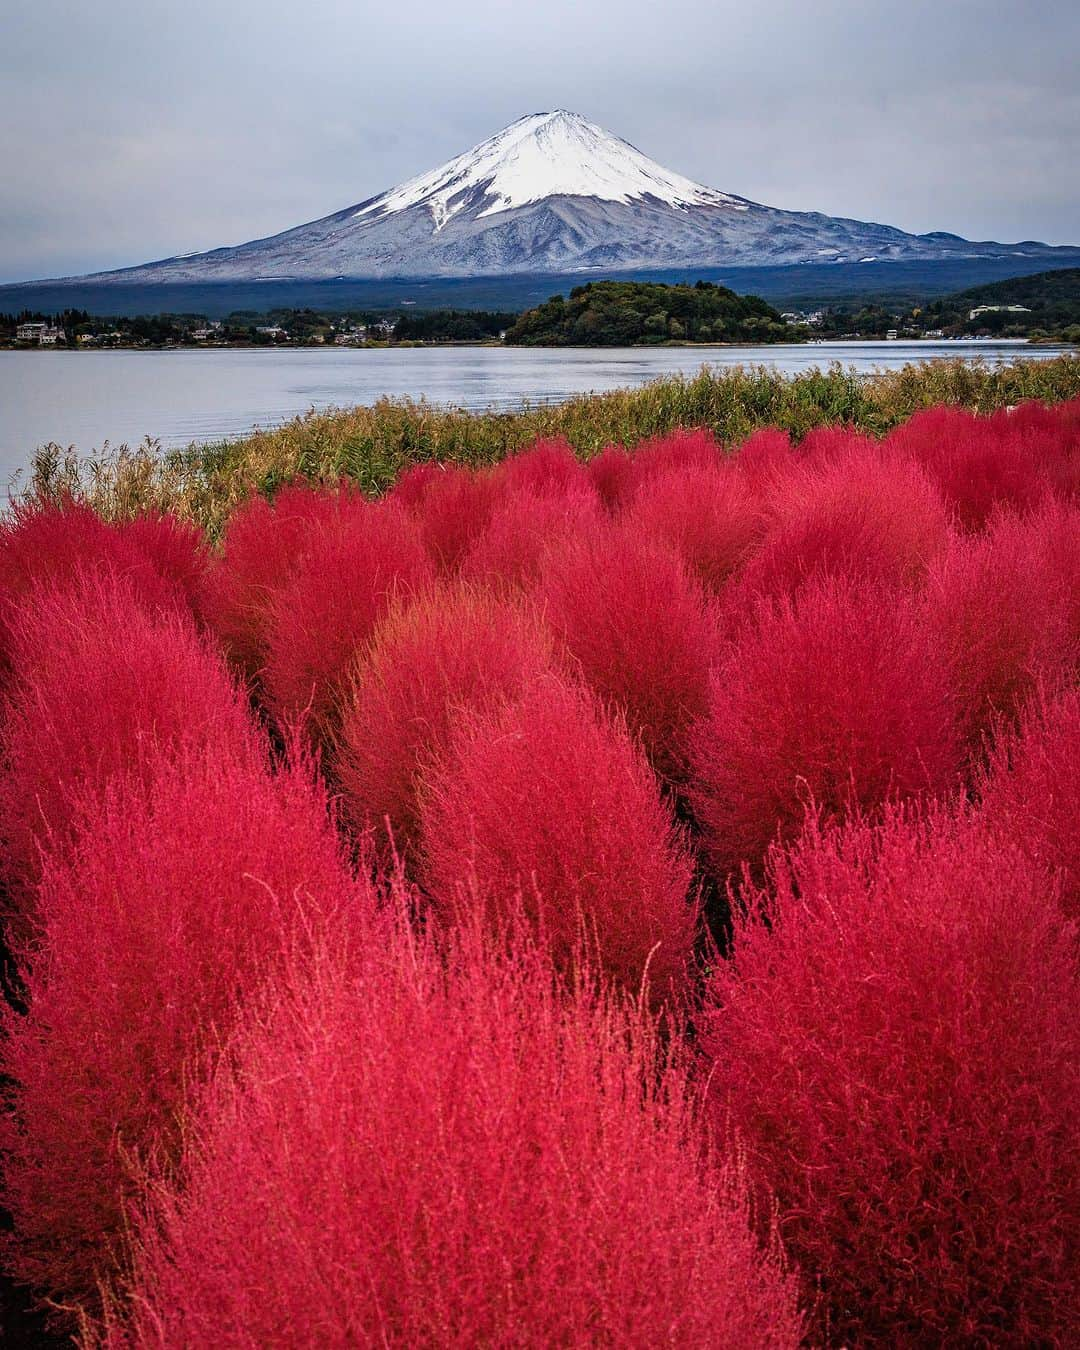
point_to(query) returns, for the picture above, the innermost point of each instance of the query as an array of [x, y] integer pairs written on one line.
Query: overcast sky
[[136, 129]]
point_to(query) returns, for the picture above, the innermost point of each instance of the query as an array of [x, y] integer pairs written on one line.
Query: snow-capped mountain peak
[[552, 154], [554, 193]]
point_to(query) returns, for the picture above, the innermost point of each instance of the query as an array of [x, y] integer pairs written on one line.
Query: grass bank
[[372, 444]]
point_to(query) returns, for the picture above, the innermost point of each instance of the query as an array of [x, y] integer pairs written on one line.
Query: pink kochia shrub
[[896, 1042], [1032, 789], [525, 526], [637, 626], [174, 901], [352, 568], [684, 448], [452, 648], [546, 467], [847, 508], [431, 1147], [549, 797], [454, 510], [176, 549], [611, 473], [263, 545], [100, 685], [706, 514], [977, 462], [1005, 607], [42, 543], [838, 698]]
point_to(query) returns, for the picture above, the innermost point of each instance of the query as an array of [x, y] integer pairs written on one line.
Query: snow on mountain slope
[[554, 193], [556, 154]]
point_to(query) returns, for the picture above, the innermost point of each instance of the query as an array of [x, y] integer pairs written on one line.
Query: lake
[[84, 399]]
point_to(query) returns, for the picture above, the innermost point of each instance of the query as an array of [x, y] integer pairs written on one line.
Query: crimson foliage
[[850, 509], [548, 797], [1032, 789], [352, 568], [638, 627], [263, 545], [896, 1042], [707, 515], [838, 698], [523, 528], [100, 685], [1005, 607], [173, 902], [452, 648], [439, 1147], [978, 463], [45, 542]]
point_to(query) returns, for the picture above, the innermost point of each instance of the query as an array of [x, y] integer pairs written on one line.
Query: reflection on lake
[[87, 398]]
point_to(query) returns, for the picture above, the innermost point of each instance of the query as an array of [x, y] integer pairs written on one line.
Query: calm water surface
[[84, 399]]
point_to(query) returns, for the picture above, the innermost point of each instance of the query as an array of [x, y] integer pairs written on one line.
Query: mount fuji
[[554, 193]]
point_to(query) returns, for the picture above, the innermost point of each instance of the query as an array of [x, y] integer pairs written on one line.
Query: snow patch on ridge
[[545, 155]]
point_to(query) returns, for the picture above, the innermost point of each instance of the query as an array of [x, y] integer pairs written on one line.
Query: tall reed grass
[[371, 445]]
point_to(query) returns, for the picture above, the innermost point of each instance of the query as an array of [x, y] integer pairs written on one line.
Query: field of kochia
[[626, 902]]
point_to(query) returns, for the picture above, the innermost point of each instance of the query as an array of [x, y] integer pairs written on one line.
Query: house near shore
[[40, 334]]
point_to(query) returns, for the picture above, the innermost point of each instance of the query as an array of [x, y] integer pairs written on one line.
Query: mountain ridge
[[555, 193]]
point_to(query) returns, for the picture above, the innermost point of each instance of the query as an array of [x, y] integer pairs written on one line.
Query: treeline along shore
[[372, 445]]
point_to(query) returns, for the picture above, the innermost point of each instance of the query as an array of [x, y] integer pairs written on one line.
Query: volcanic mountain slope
[[553, 192]]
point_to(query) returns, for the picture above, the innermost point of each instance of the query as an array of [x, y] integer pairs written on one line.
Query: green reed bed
[[371, 445]]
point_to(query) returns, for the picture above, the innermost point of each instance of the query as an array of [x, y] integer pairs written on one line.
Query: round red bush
[[443, 1149], [1032, 789], [979, 465], [1005, 607], [895, 1040], [100, 686], [708, 516], [522, 529], [452, 648], [262, 546], [173, 903], [638, 628], [352, 569], [838, 698], [851, 510], [548, 797]]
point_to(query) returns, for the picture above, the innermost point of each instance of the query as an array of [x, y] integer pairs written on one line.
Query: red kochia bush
[[1005, 606], [851, 509], [978, 464], [263, 545], [100, 686], [638, 627], [523, 528], [548, 796], [412, 483], [174, 901], [611, 473], [451, 648], [763, 458], [1032, 789], [708, 516], [46, 542], [839, 697], [684, 448], [897, 1045], [176, 549], [547, 466], [351, 570], [456, 508], [442, 1149]]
